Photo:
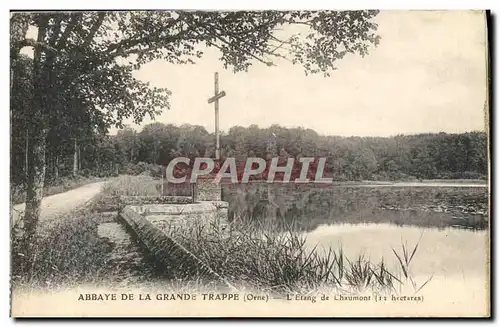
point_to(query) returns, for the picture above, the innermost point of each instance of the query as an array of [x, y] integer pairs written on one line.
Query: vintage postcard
[[250, 164]]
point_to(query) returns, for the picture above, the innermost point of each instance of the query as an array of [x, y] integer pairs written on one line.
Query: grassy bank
[[69, 252], [108, 199]]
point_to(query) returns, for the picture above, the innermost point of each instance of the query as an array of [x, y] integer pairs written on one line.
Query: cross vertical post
[[217, 140], [215, 99]]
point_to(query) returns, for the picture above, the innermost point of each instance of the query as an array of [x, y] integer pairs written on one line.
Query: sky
[[428, 74]]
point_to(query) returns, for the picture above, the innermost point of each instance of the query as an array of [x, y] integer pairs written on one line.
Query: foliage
[[131, 185], [69, 252], [271, 261], [85, 60], [424, 156], [142, 168], [402, 157]]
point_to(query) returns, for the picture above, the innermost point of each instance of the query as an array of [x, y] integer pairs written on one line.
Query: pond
[[446, 251], [456, 259], [308, 206]]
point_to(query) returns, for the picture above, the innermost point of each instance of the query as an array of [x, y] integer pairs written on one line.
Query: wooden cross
[[215, 99]]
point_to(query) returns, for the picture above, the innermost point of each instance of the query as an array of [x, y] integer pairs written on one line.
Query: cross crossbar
[[217, 97]]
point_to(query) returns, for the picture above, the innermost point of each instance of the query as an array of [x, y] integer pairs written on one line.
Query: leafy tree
[[90, 56], [127, 139]]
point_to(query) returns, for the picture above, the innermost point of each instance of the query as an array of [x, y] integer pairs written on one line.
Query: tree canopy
[[91, 55]]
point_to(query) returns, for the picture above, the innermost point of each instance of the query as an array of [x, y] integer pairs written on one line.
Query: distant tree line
[[422, 156]]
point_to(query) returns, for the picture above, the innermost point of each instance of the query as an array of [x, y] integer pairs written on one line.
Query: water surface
[[448, 251], [456, 259]]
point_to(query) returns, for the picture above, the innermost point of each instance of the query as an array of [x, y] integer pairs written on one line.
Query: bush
[[86, 172], [132, 186], [142, 168], [68, 252]]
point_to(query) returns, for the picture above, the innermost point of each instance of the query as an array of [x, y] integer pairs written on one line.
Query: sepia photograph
[[244, 163]]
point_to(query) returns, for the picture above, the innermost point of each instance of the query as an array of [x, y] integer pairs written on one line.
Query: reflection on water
[[457, 259], [308, 206], [445, 252]]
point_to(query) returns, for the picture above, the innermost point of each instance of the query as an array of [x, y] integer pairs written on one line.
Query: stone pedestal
[[207, 190]]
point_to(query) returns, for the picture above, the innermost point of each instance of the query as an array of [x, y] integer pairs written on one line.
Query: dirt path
[[57, 204]]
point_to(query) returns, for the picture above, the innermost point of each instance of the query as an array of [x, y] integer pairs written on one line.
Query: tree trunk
[[19, 23], [37, 139], [26, 156], [155, 155], [79, 160], [36, 177], [56, 167], [75, 160]]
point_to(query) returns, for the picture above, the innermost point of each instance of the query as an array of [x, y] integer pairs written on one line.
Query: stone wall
[[162, 244], [205, 214], [169, 253], [140, 200], [178, 211]]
